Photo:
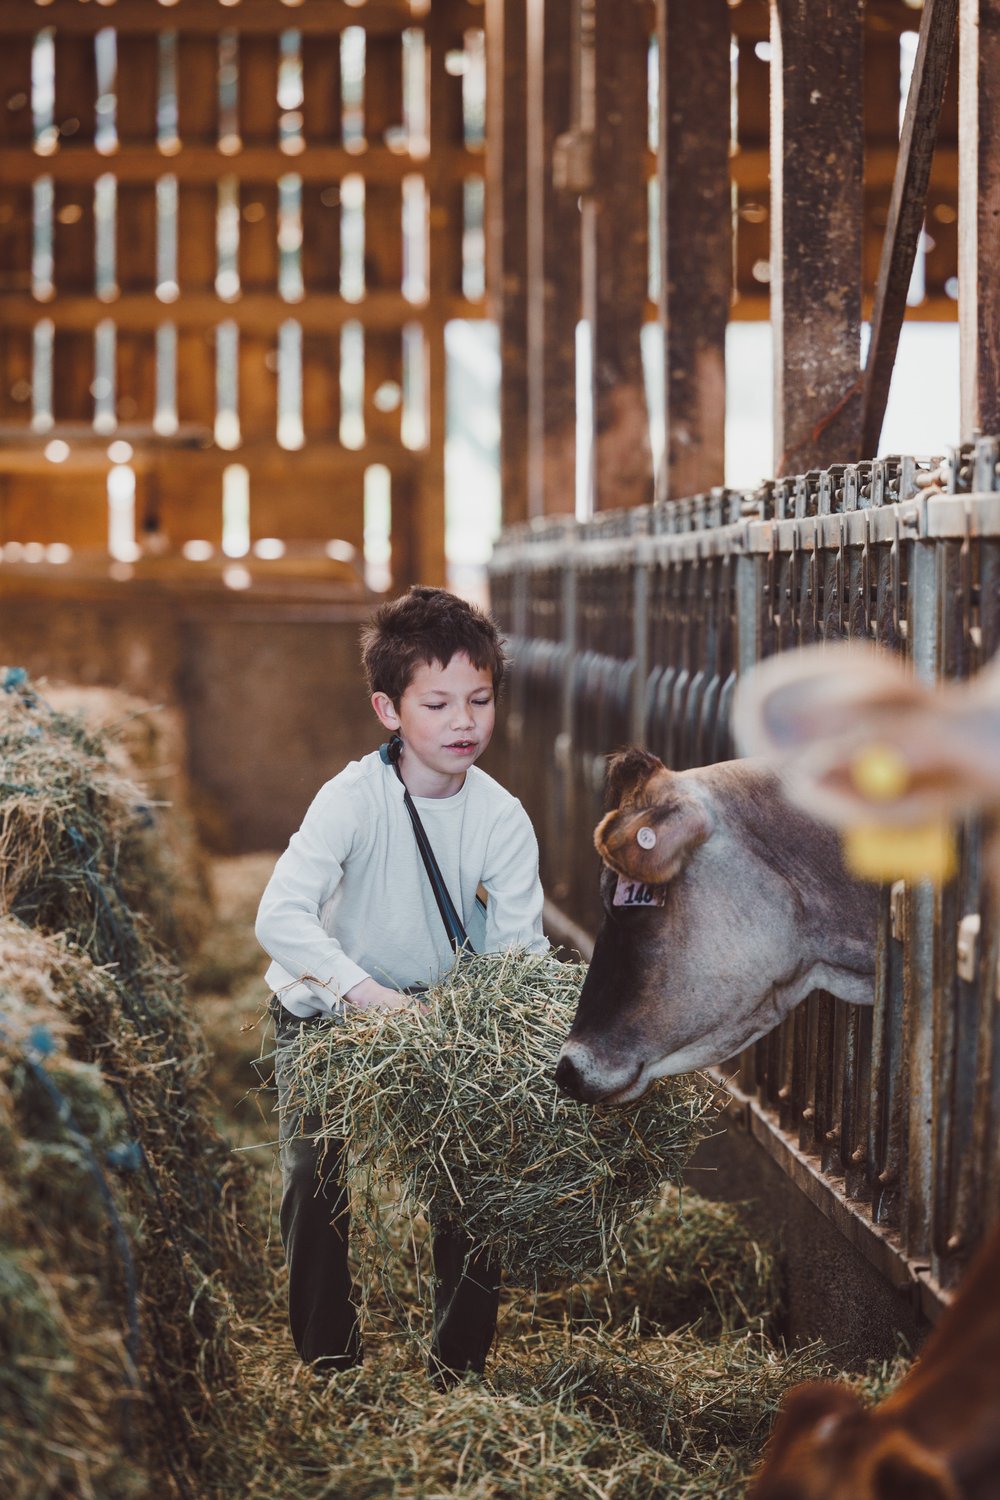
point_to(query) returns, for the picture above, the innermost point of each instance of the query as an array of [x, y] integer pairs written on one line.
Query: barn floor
[[567, 1407]]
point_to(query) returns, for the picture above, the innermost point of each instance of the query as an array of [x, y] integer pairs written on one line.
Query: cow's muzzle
[[577, 1076]]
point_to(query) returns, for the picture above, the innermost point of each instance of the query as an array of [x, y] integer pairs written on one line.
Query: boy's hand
[[368, 994]]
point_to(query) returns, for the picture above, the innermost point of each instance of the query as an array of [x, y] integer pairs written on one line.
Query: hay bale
[[68, 1314], [70, 864], [458, 1104], [165, 869]]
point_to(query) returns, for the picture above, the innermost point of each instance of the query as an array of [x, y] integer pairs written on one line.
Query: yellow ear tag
[[926, 852], [880, 773]]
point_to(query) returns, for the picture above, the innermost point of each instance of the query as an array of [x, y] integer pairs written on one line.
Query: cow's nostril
[[567, 1078]]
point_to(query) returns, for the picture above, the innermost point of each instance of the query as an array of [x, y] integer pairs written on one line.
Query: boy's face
[[446, 718]]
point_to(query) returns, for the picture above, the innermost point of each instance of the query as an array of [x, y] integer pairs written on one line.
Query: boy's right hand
[[368, 994]]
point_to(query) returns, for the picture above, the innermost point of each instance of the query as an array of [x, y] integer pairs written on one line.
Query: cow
[[725, 904], [937, 1437], [868, 747]]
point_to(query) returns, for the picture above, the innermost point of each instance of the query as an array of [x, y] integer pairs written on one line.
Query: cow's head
[[827, 1446], [724, 906]]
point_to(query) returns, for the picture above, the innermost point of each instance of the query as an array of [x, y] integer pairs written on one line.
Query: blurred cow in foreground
[[892, 763], [866, 746]]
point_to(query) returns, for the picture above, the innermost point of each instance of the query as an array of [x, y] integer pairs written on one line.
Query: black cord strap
[[453, 926]]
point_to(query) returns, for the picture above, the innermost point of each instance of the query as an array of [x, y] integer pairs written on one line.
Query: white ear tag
[[636, 893], [646, 838]]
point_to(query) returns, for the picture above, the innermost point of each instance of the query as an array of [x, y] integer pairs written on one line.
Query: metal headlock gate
[[631, 629]]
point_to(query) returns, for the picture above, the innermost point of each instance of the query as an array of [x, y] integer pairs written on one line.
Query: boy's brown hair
[[427, 626]]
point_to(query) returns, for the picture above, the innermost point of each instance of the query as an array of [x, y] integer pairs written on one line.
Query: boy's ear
[[385, 710]]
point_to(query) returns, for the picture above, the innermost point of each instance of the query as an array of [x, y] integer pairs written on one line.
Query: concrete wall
[[270, 688]]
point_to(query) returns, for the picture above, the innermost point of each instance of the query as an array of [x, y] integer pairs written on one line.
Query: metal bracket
[[897, 910]]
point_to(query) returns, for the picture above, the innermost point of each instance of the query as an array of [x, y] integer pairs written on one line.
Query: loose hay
[[459, 1105]]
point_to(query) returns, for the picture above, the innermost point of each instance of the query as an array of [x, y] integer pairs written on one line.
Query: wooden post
[[507, 254], [695, 239], [383, 238], [321, 114], [553, 263], [978, 209], [614, 114], [906, 209], [817, 144]]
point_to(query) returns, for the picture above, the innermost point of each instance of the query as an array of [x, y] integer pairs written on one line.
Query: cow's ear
[[811, 1412], [901, 1468], [791, 701], [627, 770], [651, 844]]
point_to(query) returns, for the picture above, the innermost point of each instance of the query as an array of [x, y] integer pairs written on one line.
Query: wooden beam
[[200, 160], [906, 209], [817, 144], [978, 210], [614, 115], [507, 249], [553, 263], [695, 248], [267, 17], [254, 311]]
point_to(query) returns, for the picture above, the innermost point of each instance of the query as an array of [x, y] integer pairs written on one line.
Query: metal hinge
[[967, 947]]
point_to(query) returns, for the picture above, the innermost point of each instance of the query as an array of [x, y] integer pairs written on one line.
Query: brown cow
[[725, 905], [937, 1437]]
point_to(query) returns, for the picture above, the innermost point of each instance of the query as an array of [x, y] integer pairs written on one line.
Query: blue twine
[[14, 678]]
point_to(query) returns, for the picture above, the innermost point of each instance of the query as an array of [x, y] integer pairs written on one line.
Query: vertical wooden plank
[[321, 125], [136, 270], [16, 126], [383, 238], [197, 88], [196, 378], [553, 264], [695, 239], [321, 90], [978, 208], [507, 247], [137, 89], [616, 253], [75, 88], [197, 213], [258, 273], [258, 90], [906, 209], [817, 144]]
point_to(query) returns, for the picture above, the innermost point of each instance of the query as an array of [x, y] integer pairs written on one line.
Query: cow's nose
[[568, 1080]]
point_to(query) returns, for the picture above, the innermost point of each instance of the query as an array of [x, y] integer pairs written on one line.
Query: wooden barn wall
[[177, 216]]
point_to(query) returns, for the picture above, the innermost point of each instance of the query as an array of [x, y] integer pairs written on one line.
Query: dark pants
[[315, 1222]]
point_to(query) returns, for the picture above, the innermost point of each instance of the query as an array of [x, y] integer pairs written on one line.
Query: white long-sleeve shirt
[[350, 897]]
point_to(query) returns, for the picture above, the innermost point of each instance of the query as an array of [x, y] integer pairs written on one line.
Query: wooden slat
[[73, 239], [136, 387], [268, 17], [259, 236], [258, 260], [197, 212], [616, 256], [979, 198], [75, 87], [16, 376], [136, 237], [196, 377], [66, 509], [72, 376], [306, 506], [258, 385], [16, 239], [197, 89], [137, 90], [254, 311], [383, 232], [322, 107], [816, 182], [553, 264], [203, 162], [906, 209], [258, 89], [321, 276], [16, 126], [695, 240], [507, 248]]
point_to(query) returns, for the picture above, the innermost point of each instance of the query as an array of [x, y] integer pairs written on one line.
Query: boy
[[349, 918]]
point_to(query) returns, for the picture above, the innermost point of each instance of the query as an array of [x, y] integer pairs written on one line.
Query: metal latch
[[968, 946]]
